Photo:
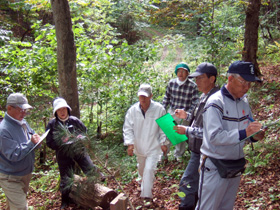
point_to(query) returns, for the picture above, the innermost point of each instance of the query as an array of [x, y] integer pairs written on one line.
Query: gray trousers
[[217, 193]]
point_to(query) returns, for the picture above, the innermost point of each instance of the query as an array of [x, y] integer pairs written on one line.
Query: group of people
[[216, 124], [17, 142]]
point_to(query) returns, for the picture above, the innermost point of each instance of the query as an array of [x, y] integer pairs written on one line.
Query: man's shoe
[[63, 205], [148, 202]]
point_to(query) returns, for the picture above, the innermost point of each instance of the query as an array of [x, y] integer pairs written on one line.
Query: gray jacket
[[14, 145], [225, 120]]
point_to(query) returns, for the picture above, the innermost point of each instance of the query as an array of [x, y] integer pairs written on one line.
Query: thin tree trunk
[[251, 33], [66, 54]]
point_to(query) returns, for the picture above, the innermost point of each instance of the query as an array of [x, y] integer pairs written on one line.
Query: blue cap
[[245, 69], [204, 68]]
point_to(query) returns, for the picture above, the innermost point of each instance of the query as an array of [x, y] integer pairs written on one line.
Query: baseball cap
[[18, 100], [245, 69], [204, 68], [145, 90], [60, 103], [182, 66]]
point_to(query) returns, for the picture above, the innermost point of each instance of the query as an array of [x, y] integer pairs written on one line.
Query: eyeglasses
[[23, 111], [243, 82]]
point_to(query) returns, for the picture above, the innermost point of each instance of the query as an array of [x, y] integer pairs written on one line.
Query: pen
[[251, 119]]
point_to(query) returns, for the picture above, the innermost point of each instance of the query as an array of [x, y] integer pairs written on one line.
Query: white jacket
[[143, 131]]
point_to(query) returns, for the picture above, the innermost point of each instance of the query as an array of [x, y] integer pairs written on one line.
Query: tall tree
[[66, 54], [251, 33]]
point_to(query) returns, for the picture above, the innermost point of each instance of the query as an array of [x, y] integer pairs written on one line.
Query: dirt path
[[165, 52]]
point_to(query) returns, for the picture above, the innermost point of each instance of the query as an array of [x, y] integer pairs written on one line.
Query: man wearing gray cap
[[227, 120], [144, 137], [16, 163], [205, 78]]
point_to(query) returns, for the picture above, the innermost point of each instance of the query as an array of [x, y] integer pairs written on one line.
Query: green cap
[[182, 66]]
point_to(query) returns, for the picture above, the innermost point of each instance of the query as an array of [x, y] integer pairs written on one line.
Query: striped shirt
[[183, 96]]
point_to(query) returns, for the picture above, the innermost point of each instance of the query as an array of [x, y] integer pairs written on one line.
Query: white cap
[[60, 103], [19, 100], [145, 90]]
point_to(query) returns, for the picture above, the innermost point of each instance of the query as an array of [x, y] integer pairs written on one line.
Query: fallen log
[[88, 194]]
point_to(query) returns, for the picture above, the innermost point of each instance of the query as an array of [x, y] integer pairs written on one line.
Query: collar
[[181, 82], [206, 96], [147, 109], [64, 120], [226, 93], [17, 121]]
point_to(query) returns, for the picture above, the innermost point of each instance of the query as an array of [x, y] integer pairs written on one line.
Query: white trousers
[[146, 169], [15, 189], [217, 193]]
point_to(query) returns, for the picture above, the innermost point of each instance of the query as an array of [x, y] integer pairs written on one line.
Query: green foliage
[[255, 161], [273, 52], [43, 179]]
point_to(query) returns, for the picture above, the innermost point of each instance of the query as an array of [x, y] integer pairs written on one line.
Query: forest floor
[[260, 190]]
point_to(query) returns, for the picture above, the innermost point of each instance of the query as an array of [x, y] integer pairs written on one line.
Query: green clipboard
[[166, 123]]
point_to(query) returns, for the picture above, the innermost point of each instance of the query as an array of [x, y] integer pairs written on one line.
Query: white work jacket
[[142, 131]]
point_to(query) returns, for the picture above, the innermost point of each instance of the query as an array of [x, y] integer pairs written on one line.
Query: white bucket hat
[[60, 103]]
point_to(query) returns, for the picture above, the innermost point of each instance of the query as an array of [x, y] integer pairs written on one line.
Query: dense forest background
[[119, 45]]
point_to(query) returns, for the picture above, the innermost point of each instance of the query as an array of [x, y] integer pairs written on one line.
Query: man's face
[[238, 86], [16, 112], [62, 113], [204, 84], [145, 102], [182, 74]]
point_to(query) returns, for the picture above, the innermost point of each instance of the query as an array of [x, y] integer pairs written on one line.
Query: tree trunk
[[251, 34], [89, 195], [66, 54]]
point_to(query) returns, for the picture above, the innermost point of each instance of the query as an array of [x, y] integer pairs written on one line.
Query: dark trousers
[[66, 166], [189, 183]]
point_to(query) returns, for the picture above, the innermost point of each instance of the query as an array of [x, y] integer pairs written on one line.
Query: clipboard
[[39, 142], [166, 123], [263, 128]]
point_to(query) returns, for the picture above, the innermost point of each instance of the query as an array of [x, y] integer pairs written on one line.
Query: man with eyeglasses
[[227, 120], [16, 163]]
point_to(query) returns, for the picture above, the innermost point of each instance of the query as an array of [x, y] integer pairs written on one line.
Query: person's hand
[[164, 149], [253, 128], [180, 129], [80, 136], [180, 113], [130, 150], [65, 139], [35, 138]]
